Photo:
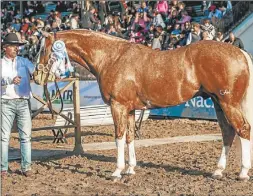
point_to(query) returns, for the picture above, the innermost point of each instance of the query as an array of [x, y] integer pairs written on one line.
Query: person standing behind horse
[[15, 95], [88, 19], [236, 41], [194, 35], [209, 28], [74, 21], [102, 11]]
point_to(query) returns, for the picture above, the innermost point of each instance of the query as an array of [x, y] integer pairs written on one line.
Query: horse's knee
[[129, 136]]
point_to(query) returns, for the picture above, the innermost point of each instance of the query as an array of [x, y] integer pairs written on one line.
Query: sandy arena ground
[[171, 169]]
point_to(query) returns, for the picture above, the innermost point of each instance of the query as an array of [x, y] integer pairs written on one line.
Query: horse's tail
[[247, 105]]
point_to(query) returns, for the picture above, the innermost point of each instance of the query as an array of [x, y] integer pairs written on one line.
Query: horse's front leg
[[119, 114], [130, 143]]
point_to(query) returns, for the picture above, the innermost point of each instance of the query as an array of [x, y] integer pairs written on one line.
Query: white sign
[[89, 95]]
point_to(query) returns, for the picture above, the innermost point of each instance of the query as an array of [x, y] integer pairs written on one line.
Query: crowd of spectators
[[162, 25]]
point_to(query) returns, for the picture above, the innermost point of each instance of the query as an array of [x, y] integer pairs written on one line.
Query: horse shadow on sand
[[50, 159]]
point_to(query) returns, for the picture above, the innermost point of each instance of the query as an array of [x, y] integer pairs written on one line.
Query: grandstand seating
[[196, 13], [50, 7]]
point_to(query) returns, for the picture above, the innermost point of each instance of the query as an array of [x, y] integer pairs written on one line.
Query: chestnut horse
[[133, 76]]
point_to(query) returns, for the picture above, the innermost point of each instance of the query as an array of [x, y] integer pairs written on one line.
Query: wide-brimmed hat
[[12, 38]]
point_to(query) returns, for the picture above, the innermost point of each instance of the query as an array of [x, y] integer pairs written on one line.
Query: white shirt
[[18, 67], [73, 23]]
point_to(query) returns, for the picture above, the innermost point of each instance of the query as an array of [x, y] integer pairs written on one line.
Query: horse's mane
[[85, 32]]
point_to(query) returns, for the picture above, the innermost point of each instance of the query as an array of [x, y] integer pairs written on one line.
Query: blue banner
[[194, 108]]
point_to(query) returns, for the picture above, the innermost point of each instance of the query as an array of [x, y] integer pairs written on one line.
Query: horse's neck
[[90, 52]]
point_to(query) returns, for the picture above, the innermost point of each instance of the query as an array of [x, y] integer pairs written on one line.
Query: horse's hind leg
[[119, 114], [130, 143], [238, 120], [228, 135]]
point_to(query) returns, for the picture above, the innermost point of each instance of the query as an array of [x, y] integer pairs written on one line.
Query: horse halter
[[43, 73]]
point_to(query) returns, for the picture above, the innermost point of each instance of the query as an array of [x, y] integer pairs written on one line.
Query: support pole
[[78, 142], [21, 9]]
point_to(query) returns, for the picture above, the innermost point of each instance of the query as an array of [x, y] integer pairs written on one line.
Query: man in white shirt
[[74, 21], [15, 95]]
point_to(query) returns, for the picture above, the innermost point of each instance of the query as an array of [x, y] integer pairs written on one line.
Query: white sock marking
[[120, 143]]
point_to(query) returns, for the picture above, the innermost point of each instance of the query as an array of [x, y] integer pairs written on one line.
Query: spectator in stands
[[162, 8], [173, 18], [88, 20], [137, 35], [141, 18], [158, 39], [225, 7], [15, 95], [108, 21], [236, 41], [112, 30], [184, 18], [77, 10], [60, 7], [33, 47], [102, 12], [144, 7], [149, 35], [57, 19], [194, 35], [55, 27], [173, 6], [205, 35], [157, 19], [25, 25], [219, 12], [219, 37], [181, 8], [187, 27], [16, 24], [50, 17], [18, 15], [29, 11], [182, 39], [39, 8], [32, 19], [176, 30], [209, 28], [74, 21]]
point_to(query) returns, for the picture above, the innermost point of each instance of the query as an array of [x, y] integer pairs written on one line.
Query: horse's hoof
[[130, 174], [115, 178], [243, 178], [130, 171], [216, 176]]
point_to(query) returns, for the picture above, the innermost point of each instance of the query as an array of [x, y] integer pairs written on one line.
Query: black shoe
[[27, 173]]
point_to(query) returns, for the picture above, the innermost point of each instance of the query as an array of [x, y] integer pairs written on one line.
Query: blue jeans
[[20, 109]]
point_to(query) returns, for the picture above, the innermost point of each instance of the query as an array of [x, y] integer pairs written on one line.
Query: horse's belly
[[170, 95]]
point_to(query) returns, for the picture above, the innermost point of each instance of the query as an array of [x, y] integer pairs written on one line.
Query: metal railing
[[231, 19]]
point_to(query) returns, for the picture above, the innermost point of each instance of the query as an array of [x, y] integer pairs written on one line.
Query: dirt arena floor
[[171, 169]]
